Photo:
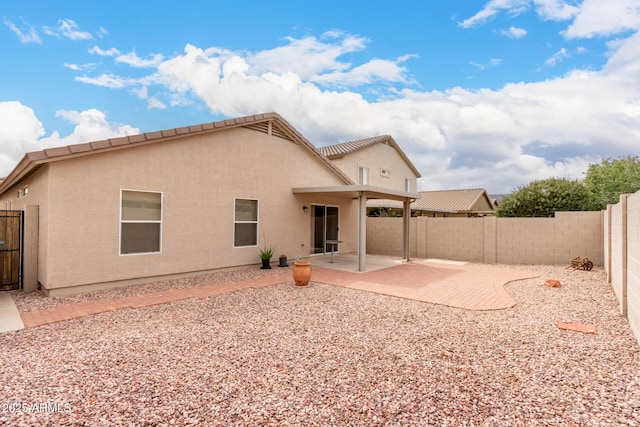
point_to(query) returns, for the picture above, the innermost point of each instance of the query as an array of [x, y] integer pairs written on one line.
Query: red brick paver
[[35, 318], [578, 327], [471, 287]]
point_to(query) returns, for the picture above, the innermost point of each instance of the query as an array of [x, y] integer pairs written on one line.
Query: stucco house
[[187, 201]]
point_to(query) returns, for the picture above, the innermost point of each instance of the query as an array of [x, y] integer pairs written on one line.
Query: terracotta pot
[[302, 273]]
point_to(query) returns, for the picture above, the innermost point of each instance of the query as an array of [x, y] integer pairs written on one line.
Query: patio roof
[[362, 193], [355, 191]]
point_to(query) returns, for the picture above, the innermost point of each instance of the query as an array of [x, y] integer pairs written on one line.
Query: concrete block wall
[[525, 240], [633, 262], [384, 236], [494, 240], [454, 238], [618, 256], [622, 256]]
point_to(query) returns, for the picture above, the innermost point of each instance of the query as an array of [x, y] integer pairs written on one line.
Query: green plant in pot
[[266, 254]]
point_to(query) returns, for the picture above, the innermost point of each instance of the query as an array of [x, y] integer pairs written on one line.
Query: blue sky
[[489, 94]]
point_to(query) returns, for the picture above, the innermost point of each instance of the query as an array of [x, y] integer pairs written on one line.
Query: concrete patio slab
[[10, 319], [349, 262]]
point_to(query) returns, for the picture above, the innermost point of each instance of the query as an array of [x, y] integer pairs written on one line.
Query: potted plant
[[266, 254], [283, 261]]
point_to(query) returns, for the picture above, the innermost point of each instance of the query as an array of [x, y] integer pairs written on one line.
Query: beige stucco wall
[[377, 157], [199, 178], [489, 239]]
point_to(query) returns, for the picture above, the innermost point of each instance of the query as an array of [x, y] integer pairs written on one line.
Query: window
[[407, 185], [140, 222], [23, 192], [363, 175], [245, 223]]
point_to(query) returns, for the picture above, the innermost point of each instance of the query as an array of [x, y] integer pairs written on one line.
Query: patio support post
[[406, 217], [362, 231]]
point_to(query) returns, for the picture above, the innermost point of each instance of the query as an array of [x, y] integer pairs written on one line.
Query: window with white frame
[[407, 185], [245, 223], [363, 175], [140, 222]]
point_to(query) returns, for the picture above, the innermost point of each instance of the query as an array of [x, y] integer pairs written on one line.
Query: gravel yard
[[326, 355]]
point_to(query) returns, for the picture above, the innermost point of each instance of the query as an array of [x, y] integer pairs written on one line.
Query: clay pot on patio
[[302, 273]]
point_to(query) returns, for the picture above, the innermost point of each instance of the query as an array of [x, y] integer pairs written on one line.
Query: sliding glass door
[[325, 226]]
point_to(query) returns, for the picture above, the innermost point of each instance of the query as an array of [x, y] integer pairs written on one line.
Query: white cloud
[[80, 67], [135, 61], [70, 30], [19, 131], [494, 7], [154, 102], [108, 80], [307, 57], [556, 10], [605, 18], [493, 62], [513, 32], [372, 71], [108, 52], [557, 57], [22, 132], [90, 125], [30, 36]]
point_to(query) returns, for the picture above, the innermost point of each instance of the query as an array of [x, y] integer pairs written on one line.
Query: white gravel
[[325, 355]]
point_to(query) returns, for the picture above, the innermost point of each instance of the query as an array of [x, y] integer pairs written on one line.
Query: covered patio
[[362, 193]]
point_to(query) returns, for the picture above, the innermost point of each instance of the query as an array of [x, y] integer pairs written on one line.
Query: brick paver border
[[471, 287]]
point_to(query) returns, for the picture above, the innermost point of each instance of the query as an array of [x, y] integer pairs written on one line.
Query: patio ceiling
[[355, 191], [362, 193]]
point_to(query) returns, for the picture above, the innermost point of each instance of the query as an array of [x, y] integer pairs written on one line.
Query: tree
[[611, 178], [543, 198]]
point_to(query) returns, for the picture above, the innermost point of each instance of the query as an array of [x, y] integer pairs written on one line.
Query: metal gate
[[11, 225]]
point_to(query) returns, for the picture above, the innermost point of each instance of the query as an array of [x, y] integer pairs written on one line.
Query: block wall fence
[[622, 255], [494, 240]]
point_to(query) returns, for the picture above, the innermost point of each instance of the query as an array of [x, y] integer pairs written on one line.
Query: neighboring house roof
[[271, 123], [337, 151], [451, 201]]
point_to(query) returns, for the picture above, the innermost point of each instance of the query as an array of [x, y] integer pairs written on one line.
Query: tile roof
[[278, 127], [340, 150], [450, 200]]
